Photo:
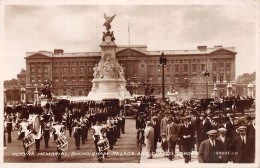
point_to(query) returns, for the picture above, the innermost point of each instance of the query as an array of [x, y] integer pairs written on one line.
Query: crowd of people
[[217, 136]]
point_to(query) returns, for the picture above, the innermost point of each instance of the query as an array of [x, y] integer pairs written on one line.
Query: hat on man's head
[[215, 118], [188, 117], [222, 130], [154, 117], [212, 132], [163, 134], [148, 123], [241, 128]]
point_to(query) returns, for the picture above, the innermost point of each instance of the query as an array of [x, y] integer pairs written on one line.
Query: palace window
[[228, 78], [56, 81], [56, 70], [64, 80], [221, 66], [150, 69], [39, 80], [214, 67], [73, 80], [228, 67], [39, 70], [185, 68], [168, 68], [176, 68], [45, 70], [214, 79], [32, 70], [90, 70], [168, 80], [203, 67], [64, 70], [73, 70], [159, 80], [81, 80], [81, 70], [194, 67], [221, 78], [158, 68]]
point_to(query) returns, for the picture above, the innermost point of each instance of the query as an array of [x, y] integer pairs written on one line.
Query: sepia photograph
[[143, 84]]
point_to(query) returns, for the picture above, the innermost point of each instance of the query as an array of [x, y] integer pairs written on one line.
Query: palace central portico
[[72, 73]]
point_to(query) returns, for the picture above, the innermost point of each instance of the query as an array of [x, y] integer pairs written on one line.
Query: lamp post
[[206, 74], [163, 61]]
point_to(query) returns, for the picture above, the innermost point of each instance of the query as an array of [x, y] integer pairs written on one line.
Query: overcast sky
[[79, 29]]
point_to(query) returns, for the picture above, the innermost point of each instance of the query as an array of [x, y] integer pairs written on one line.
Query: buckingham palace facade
[[72, 73]]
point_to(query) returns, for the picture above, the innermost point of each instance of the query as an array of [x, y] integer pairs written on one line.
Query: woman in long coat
[[149, 135]]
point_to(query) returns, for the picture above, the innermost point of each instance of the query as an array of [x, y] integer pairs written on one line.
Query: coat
[[205, 153], [231, 131], [186, 142], [140, 124], [149, 136], [156, 128], [163, 125], [225, 150], [239, 153], [203, 129], [172, 132]]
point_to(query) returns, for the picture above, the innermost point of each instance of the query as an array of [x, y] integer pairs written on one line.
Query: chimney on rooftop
[[58, 51], [202, 48], [218, 46]]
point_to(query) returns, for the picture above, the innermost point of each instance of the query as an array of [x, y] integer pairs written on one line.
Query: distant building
[[72, 73], [12, 87]]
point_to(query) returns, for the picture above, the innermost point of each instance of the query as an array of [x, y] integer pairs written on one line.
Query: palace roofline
[[140, 48]]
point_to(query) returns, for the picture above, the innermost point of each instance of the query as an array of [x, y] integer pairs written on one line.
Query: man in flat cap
[[225, 145], [209, 149], [243, 147]]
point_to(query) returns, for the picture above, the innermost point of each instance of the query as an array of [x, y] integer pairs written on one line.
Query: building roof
[[184, 52], [140, 48]]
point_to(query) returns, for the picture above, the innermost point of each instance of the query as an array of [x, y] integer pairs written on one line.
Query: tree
[[246, 78]]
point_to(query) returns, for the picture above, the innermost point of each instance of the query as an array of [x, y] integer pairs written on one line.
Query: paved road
[[125, 150]]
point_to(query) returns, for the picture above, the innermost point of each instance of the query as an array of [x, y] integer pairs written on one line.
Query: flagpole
[[128, 34]]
